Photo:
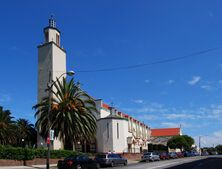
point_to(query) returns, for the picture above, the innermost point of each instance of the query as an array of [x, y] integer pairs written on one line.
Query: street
[[210, 162]]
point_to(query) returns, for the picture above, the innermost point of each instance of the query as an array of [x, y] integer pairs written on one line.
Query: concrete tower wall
[[51, 64], [44, 67]]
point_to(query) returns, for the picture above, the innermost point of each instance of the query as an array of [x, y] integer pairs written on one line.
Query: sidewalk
[[27, 167], [16, 167], [130, 162]]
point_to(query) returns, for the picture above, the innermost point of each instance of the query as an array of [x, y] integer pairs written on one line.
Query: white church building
[[116, 131]]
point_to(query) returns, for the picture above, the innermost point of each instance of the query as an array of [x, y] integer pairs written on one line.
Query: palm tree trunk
[[74, 146]]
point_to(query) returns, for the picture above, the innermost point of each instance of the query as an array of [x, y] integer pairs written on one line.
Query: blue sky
[[117, 33]]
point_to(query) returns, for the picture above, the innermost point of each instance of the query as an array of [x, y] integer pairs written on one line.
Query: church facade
[[116, 131], [51, 64]]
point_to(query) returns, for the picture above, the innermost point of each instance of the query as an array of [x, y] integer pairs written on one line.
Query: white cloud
[[176, 116], [209, 140], [176, 124], [212, 112], [139, 101], [170, 82], [194, 80], [146, 117], [206, 87], [148, 108], [170, 124]]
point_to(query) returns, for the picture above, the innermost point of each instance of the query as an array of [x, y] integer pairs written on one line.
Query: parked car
[[150, 156], [164, 156], [173, 155], [189, 154], [196, 153], [78, 162], [110, 159], [179, 154]]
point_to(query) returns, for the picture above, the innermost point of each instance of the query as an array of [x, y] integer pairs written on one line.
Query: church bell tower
[[51, 64]]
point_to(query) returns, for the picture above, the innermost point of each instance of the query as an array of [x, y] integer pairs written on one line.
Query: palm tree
[[71, 114], [7, 127], [26, 133]]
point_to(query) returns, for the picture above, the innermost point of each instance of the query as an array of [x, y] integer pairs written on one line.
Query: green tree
[[219, 148], [189, 140], [177, 142], [71, 114], [26, 133], [7, 127]]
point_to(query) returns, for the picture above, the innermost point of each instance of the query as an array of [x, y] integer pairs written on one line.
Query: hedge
[[18, 153]]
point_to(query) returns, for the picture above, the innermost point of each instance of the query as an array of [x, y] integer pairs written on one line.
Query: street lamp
[[49, 88]]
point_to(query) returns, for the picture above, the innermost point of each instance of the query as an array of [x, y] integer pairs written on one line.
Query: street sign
[[48, 140], [51, 134]]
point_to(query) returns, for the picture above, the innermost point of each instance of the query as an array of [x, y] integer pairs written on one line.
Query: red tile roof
[[106, 106], [165, 132]]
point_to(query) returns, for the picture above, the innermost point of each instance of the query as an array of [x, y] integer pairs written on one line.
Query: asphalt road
[[210, 162]]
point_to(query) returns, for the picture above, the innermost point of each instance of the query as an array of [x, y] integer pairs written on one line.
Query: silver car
[[110, 159], [150, 156]]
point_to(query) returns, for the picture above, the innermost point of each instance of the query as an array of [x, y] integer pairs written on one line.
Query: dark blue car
[[78, 162]]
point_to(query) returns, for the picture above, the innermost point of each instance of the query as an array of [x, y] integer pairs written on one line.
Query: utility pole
[[200, 145]]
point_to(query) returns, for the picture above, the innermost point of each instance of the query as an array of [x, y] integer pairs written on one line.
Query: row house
[[162, 135]]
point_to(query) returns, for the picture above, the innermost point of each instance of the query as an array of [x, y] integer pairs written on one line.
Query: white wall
[[104, 137], [112, 143], [120, 144], [59, 62], [102, 111], [52, 35]]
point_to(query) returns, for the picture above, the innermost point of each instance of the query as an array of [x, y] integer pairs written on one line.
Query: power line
[[152, 63]]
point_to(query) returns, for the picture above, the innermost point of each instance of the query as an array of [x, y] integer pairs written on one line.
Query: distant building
[[162, 135]]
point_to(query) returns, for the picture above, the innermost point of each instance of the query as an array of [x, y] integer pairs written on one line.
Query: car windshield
[[148, 153]]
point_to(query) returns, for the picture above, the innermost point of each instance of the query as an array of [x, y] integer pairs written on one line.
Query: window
[[117, 130], [107, 128], [57, 40], [46, 36]]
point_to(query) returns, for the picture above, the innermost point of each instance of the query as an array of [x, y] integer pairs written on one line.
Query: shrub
[[18, 153]]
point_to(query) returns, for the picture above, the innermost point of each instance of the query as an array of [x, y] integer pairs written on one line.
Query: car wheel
[[112, 164], [125, 163], [78, 166]]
